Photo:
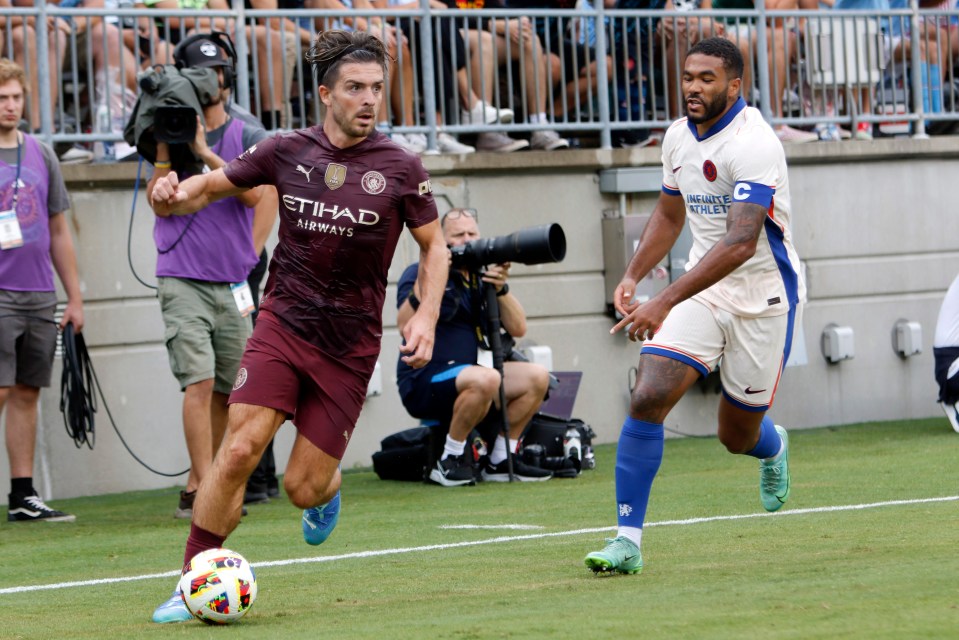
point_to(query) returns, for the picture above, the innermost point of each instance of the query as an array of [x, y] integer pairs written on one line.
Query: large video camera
[[166, 111], [535, 245]]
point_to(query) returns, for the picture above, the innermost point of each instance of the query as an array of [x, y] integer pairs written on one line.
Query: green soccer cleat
[[774, 477], [621, 554]]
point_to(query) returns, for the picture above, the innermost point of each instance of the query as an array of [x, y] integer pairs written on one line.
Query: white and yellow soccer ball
[[218, 586]]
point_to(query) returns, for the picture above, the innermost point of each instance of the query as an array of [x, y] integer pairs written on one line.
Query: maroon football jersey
[[341, 215]]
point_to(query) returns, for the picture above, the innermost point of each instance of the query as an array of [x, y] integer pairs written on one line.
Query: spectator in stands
[[98, 41], [933, 48], [266, 48], [781, 49], [453, 91], [677, 36], [453, 388], [97, 46], [201, 260], [513, 40], [295, 41], [633, 73], [569, 44], [34, 243], [21, 47]]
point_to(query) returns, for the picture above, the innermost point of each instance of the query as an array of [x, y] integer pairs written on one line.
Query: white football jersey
[[738, 159]]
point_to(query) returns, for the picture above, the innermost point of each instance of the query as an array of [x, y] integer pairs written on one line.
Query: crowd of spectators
[[514, 78]]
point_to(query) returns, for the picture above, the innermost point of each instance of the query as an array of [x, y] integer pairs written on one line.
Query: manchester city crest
[[373, 182], [335, 175]]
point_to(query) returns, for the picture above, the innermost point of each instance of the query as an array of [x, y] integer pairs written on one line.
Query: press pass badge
[[10, 235], [243, 297]]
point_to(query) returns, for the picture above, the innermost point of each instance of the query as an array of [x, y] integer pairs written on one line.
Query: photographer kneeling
[[452, 388]]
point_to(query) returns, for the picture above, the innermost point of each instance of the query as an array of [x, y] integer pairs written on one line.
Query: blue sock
[[769, 441], [638, 457]]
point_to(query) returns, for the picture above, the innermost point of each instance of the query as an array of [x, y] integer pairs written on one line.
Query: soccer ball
[[218, 586]]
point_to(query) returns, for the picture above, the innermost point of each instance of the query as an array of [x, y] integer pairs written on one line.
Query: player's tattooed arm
[[744, 224]]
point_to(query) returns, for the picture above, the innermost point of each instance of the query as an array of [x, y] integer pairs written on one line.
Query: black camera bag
[[403, 455], [550, 433], [409, 455]]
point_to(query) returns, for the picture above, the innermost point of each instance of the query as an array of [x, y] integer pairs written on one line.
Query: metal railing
[[892, 70]]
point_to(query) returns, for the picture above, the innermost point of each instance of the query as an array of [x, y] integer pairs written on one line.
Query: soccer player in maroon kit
[[345, 191]]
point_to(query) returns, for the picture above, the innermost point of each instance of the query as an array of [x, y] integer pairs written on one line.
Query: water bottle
[[589, 459], [572, 444], [103, 149]]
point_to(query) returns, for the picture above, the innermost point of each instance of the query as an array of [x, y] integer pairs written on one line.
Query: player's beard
[[711, 109], [348, 125]]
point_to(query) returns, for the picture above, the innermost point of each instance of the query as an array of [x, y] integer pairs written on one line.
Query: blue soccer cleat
[[173, 609], [319, 522]]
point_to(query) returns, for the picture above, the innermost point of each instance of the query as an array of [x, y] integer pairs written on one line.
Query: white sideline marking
[[498, 539], [518, 527]]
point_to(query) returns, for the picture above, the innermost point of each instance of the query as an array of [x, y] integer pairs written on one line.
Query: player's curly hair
[[10, 70], [723, 49], [332, 49]]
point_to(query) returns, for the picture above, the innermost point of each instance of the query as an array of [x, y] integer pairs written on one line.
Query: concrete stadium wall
[[874, 224]]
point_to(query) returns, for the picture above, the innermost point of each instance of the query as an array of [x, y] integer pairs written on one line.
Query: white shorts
[[753, 350]]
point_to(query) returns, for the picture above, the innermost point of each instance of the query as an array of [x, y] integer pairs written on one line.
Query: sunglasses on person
[[454, 214]]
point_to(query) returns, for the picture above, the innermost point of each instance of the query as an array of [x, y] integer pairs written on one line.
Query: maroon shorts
[[323, 395]]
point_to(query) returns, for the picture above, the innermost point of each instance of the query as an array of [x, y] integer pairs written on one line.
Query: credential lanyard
[[16, 180]]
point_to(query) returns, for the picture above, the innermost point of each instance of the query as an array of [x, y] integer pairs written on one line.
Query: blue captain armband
[[753, 192]]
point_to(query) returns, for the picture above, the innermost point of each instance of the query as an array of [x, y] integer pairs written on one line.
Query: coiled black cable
[[77, 399], [77, 402]]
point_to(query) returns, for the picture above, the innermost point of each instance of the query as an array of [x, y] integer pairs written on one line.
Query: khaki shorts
[[205, 333], [28, 341], [753, 350]]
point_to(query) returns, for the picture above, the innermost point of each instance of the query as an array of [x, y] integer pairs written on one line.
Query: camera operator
[[453, 388], [203, 263]]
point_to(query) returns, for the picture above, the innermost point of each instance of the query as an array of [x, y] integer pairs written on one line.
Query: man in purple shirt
[[346, 192], [33, 234], [203, 261]]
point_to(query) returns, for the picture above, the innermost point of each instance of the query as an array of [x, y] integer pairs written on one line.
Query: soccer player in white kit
[[945, 350], [739, 301]]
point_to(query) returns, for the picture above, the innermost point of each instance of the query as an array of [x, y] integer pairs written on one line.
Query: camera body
[[534, 245], [166, 111]]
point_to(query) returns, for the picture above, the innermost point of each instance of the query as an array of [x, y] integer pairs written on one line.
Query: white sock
[[536, 118], [782, 445], [633, 533], [453, 447], [498, 454]]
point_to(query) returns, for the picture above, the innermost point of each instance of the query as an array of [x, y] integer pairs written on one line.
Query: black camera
[[535, 245], [534, 454], [173, 124]]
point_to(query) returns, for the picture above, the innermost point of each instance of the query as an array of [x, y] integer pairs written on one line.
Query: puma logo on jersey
[[300, 168]]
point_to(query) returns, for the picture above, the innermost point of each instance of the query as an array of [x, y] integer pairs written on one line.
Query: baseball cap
[[205, 53]]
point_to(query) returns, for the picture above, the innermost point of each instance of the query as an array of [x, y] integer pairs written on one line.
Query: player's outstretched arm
[[419, 331], [744, 222], [664, 226], [169, 196]]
